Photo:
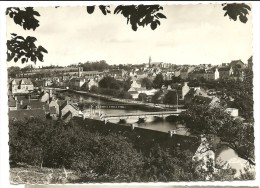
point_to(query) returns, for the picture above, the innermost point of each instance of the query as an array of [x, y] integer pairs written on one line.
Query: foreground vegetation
[[77, 153]]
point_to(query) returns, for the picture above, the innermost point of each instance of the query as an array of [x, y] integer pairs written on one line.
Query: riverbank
[[124, 101]]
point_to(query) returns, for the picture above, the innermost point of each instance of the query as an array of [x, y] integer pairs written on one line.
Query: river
[[224, 154]]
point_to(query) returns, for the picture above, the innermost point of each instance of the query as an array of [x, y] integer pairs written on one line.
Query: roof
[[77, 80], [199, 71], [26, 81], [23, 114], [224, 68], [74, 106], [61, 102], [11, 102]]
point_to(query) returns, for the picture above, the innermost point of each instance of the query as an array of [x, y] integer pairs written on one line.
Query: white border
[[4, 165]]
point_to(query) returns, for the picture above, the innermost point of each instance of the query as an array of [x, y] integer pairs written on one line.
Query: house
[[225, 72], [21, 85], [197, 74], [135, 85], [53, 112], [91, 83], [76, 83], [237, 64], [211, 74], [46, 97], [185, 89], [69, 111], [194, 91], [184, 72]]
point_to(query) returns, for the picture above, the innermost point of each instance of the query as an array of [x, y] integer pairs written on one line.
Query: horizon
[[201, 31]]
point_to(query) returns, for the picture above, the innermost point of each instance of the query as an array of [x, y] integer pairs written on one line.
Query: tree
[[158, 81], [234, 133], [171, 97], [24, 48], [13, 71], [142, 97], [147, 83]]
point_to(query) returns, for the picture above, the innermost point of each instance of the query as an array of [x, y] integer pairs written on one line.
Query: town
[[162, 85]]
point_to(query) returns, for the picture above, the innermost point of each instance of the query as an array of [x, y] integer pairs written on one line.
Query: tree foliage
[[147, 83], [24, 48], [158, 81], [25, 18], [236, 10], [203, 119]]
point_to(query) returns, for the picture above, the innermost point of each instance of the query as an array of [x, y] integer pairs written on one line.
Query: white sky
[[191, 34]]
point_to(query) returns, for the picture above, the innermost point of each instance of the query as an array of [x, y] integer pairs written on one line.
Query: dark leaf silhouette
[[104, 9], [90, 9], [24, 48], [25, 18], [141, 15], [235, 10]]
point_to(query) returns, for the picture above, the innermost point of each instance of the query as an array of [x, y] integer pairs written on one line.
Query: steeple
[[150, 61]]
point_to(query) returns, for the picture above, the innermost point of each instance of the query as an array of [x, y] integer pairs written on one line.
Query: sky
[[191, 34]]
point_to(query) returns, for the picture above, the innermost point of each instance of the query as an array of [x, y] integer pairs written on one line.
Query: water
[[224, 154]]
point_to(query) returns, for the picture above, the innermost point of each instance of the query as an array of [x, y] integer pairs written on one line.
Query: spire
[[150, 61]]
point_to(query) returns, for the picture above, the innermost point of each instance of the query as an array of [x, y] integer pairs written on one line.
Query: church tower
[[150, 61], [80, 70]]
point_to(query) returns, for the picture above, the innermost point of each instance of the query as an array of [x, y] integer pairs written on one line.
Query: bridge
[[109, 105], [141, 116]]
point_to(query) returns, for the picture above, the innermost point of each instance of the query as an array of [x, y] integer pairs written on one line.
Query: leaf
[[118, 9], [103, 9], [41, 49], [153, 25], [243, 19], [160, 15], [90, 9], [36, 13]]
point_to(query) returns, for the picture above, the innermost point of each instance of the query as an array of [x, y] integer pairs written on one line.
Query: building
[[184, 72], [185, 89], [194, 91], [70, 111], [21, 85], [91, 83], [197, 74], [225, 72], [211, 74], [135, 85], [250, 63], [237, 64], [76, 83]]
